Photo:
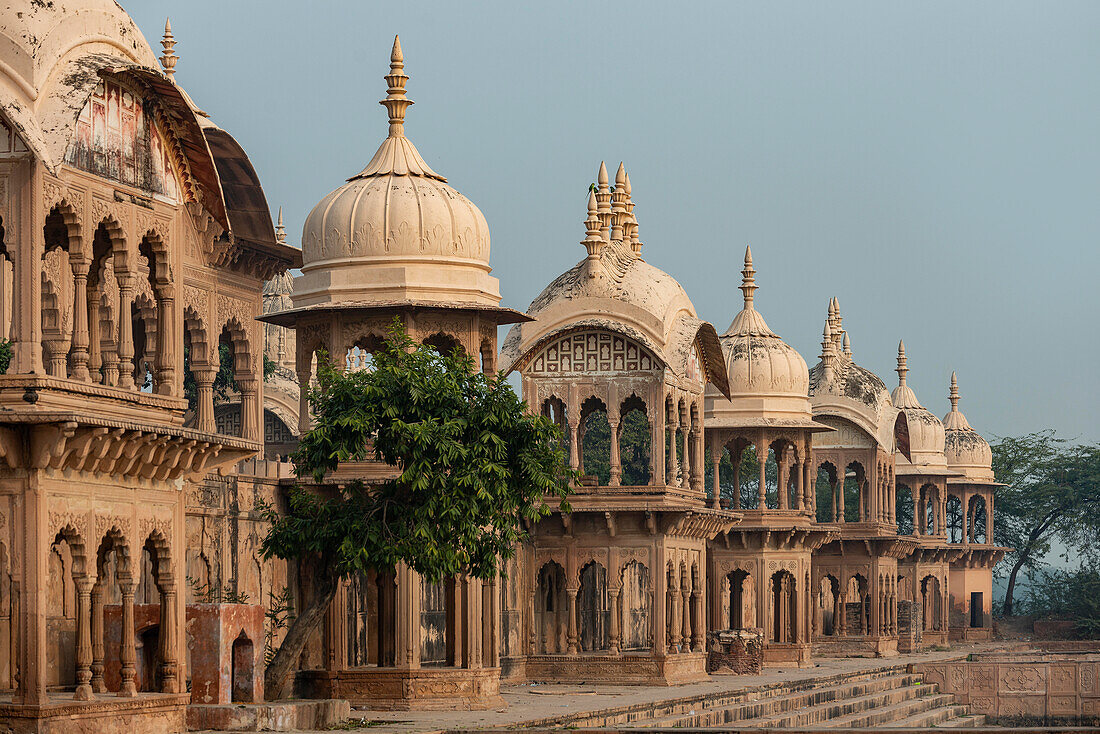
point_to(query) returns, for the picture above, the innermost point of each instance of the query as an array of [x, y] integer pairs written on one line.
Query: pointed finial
[[748, 279], [168, 43], [618, 204], [954, 394], [593, 242], [280, 230], [603, 198], [827, 354], [903, 368], [847, 346], [396, 102]]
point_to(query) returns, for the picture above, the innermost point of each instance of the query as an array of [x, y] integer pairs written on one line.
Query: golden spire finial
[[168, 43], [748, 279], [396, 102]]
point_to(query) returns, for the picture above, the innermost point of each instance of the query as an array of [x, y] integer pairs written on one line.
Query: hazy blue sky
[[935, 165]]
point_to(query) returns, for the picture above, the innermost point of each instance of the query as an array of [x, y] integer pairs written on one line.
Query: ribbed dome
[[926, 432], [396, 231], [767, 377], [965, 448]]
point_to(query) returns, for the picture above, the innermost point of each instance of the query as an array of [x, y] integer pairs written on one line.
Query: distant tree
[[634, 448], [6, 354], [225, 382], [1052, 492], [473, 466], [1068, 594]]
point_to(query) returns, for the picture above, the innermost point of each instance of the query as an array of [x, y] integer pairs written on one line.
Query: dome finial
[[847, 347], [903, 368], [168, 43], [603, 199], [280, 230], [953, 395], [593, 242], [748, 279], [396, 102], [618, 204]]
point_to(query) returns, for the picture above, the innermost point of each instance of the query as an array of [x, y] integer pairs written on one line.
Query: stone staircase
[[886, 698]]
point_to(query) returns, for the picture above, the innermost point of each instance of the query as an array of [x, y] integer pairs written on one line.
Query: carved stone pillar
[[574, 446], [95, 338], [698, 638], [125, 331], [250, 409], [303, 400], [613, 600], [917, 519], [685, 472], [799, 486], [169, 661], [781, 485], [685, 618], [716, 482], [165, 360], [80, 342], [204, 381], [673, 478], [840, 514], [616, 464], [84, 638], [736, 482], [571, 638], [673, 616], [98, 684], [127, 654]]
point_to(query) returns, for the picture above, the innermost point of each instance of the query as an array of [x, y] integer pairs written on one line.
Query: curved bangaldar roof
[[840, 387], [926, 432], [615, 289], [965, 448], [769, 385], [396, 232]]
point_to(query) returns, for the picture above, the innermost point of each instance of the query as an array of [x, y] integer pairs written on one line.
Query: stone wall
[[736, 651], [910, 617], [1050, 690]]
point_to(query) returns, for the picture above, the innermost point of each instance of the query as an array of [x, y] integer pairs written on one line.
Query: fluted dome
[[926, 432], [615, 289], [768, 379], [840, 387], [965, 448], [396, 232]]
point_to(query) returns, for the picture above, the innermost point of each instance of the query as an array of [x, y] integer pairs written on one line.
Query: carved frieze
[[592, 351]]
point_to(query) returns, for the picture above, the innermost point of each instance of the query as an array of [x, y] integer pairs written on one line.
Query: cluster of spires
[[610, 218], [836, 347]]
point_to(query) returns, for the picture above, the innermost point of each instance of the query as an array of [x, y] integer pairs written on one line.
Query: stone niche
[[225, 643]]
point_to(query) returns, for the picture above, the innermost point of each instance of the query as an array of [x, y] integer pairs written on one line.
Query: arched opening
[[488, 356], [594, 437], [635, 443], [636, 607], [856, 497], [825, 487], [143, 314], [771, 480], [903, 509], [57, 289], [742, 601], [829, 609], [148, 642], [979, 520], [444, 344], [747, 474], [436, 622], [360, 355], [929, 510], [595, 617], [371, 609], [784, 608], [551, 608], [954, 519], [931, 603], [64, 559], [858, 605], [554, 408], [244, 669], [112, 575]]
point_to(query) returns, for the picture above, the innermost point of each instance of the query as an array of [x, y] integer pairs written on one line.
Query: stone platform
[[148, 713], [275, 716]]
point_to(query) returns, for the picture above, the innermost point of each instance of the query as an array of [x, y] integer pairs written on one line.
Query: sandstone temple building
[[160, 330]]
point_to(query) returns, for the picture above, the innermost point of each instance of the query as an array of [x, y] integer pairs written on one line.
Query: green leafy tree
[[225, 382], [472, 466], [6, 354], [1052, 492], [635, 438], [1068, 594]]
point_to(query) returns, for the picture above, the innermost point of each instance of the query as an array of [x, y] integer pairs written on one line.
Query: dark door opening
[[977, 609]]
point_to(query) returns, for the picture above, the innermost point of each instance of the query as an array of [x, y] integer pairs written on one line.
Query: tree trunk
[[325, 584], [1012, 585]]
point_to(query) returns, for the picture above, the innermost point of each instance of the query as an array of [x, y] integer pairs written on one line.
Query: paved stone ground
[[532, 702]]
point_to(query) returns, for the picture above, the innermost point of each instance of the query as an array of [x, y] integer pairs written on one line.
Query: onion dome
[[614, 289], [396, 232], [965, 448], [926, 432], [767, 377], [840, 387]]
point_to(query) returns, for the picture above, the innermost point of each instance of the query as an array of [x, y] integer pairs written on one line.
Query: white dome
[[767, 377], [965, 448], [396, 231]]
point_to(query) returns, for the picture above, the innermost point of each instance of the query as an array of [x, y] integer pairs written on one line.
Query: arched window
[[904, 509], [592, 608], [825, 487], [594, 437], [551, 609], [636, 607], [635, 440]]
